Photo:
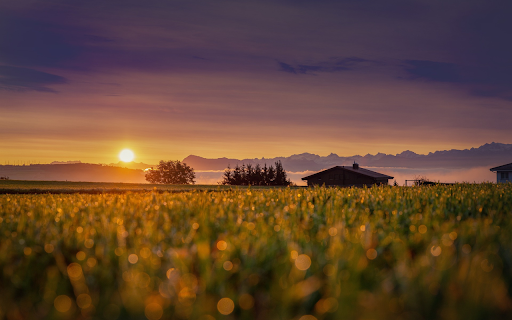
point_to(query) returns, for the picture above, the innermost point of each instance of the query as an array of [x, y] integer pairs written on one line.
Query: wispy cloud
[[23, 79], [330, 65]]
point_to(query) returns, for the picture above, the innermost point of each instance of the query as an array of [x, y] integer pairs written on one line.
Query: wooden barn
[[347, 176], [503, 173]]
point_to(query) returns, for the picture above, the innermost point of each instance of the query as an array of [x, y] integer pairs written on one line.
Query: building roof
[[505, 167], [362, 171]]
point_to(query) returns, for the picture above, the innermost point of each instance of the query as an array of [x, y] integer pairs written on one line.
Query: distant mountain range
[[489, 154]]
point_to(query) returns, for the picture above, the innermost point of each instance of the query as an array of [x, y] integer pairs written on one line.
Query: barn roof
[[505, 167], [362, 171]]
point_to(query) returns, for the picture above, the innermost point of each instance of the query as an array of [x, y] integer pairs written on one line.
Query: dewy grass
[[441, 252]]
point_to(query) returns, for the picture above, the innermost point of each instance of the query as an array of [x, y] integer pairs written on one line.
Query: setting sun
[[126, 155]]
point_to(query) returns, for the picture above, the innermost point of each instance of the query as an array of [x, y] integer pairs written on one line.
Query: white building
[[503, 173]]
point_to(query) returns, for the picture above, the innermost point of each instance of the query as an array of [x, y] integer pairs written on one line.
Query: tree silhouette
[[243, 174], [280, 178], [257, 177], [171, 172], [271, 176], [237, 176], [264, 175], [249, 175], [228, 176]]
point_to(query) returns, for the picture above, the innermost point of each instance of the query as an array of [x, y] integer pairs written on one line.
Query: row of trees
[[256, 176]]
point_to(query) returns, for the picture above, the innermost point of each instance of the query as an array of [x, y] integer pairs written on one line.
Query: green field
[[440, 252]]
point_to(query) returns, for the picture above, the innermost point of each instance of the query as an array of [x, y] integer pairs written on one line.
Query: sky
[[82, 80]]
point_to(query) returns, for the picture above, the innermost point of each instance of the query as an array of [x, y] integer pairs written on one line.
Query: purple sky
[[81, 80]]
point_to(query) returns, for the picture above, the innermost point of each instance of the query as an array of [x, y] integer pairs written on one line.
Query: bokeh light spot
[[222, 245], [153, 311], [133, 258], [169, 272], [48, 248], [303, 262], [145, 253], [80, 255], [89, 243], [91, 262], [62, 303], [225, 306], [435, 250], [228, 265], [84, 301], [371, 254], [74, 271]]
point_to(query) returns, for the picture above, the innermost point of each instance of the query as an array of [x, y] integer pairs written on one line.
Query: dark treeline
[[256, 176]]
